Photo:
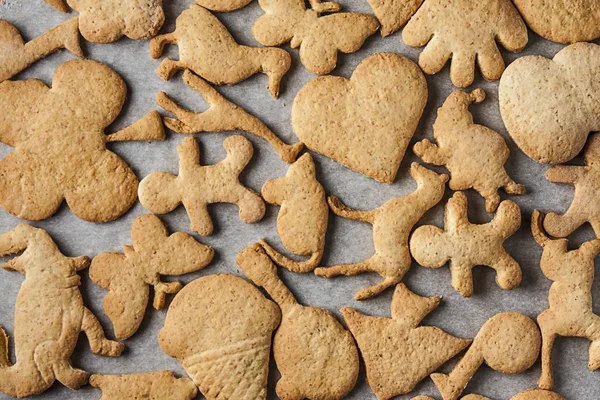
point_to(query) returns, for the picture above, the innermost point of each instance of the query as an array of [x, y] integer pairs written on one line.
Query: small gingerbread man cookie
[[466, 245]]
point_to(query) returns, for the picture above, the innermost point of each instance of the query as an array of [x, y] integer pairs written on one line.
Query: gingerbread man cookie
[[197, 185]]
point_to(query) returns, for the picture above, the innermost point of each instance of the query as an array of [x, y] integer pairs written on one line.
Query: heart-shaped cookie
[[550, 107], [367, 121]]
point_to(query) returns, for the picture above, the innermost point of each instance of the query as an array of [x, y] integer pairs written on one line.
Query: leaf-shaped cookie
[[466, 31]]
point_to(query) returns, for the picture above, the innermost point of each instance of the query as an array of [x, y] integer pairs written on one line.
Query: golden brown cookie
[[316, 356], [550, 107], [367, 121], [197, 185], [474, 154], [586, 179], [128, 276], [398, 353], [61, 154], [302, 219], [393, 14], [151, 386], [570, 297], [207, 48], [318, 37], [537, 394], [16, 55], [392, 223], [223, 5], [508, 342], [225, 350], [222, 115], [563, 21], [465, 245], [49, 316], [465, 30]]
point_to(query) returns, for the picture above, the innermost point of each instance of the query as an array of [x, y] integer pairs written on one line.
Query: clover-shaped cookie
[[128, 276], [474, 154], [60, 145], [16, 55], [466, 245], [465, 30], [197, 185], [319, 38], [563, 21], [586, 179], [550, 106], [207, 48], [107, 21]]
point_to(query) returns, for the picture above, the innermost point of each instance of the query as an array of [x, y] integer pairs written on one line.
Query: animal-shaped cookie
[[570, 297], [367, 121], [207, 48], [197, 185], [563, 21], [49, 315], [219, 327], [151, 386], [128, 276], [16, 55], [302, 219], [412, 352], [393, 14], [60, 144], [109, 20], [465, 30], [392, 223], [586, 179], [508, 342], [318, 37], [316, 356], [466, 245], [474, 154], [222, 115], [550, 107]]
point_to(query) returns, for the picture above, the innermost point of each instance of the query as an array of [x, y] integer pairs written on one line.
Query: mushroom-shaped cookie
[[474, 154], [316, 356], [60, 144], [207, 48], [128, 276], [399, 353], [219, 327], [467, 245], [197, 185]]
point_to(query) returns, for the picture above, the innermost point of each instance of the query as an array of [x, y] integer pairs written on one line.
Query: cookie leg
[[372, 291], [200, 221], [72, 378], [492, 200], [546, 321], [462, 278], [167, 68], [99, 344], [508, 272], [562, 225], [345, 269]]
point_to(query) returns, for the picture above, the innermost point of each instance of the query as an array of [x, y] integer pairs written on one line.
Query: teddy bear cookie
[[227, 347], [474, 154], [222, 115], [365, 122], [466, 245], [392, 223], [316, 356], [49, 316], [61, 155], [550, 107], [463, 31], [302, 219], [207, 48], [318, 37], [412, 352], [197, 185], [128, 276], [16, 55]]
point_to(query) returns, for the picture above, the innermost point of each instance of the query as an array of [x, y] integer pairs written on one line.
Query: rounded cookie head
[[563, 21], [550, 107]]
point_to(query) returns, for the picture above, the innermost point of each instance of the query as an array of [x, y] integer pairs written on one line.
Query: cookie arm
[[430, 152], [565, 174]]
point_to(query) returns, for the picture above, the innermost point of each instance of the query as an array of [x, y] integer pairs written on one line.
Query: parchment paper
[[347, 241]]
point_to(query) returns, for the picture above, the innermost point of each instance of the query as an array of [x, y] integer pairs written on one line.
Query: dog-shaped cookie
[[49, 315]]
